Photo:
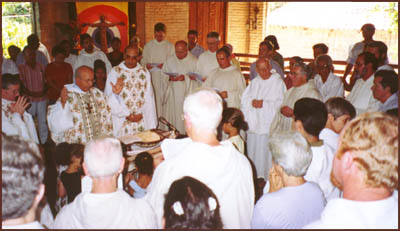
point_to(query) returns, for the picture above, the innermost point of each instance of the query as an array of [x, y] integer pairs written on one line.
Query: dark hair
[[77, 151], [192, 197], [13, 47], [298, 59], [225, 50], [338, 106], [274, 41], [62, 152], [369, 58], [83, 37], [382, 48], [324, 48], [312, 113], [32, 38], [181, 42], [160, 27], [116, 39], [269, 44], [9, 79], [389, 79], [144, 163], [57, 49], [235, 117], [99, 64], [213, 34], [194, 32]]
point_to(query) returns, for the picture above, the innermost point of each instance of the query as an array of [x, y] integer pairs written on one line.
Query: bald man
[[130, 95], [260, 102], [179, 85], [81, 113]]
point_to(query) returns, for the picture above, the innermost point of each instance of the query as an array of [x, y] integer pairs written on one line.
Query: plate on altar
[[146, 139]]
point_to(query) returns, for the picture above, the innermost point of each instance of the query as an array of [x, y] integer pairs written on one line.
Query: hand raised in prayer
[[257, 103], [64, 96], [134, 118], [287, 111], [119, 85], [19, 106], [224, 94], [275, 180]]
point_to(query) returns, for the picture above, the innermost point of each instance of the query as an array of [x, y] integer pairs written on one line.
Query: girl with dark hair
[[100, 74], [190, 204], [232, 122], [141, 178]]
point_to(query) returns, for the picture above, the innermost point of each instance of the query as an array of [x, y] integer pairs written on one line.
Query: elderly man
[[14, 119], [193, 46], [361, 95], [22, 188], [155, 53], [34, 87], [301, 88], [265, 51], [226, 79], [208, 59], [379, 49], [89, 54], [33, 43], [366, 169], [105, 206], [328, 84], [298, 202], [131, 95], [217, 164], [368, 31], [179, 85], [386, 85], [81, 113], [260, 102]]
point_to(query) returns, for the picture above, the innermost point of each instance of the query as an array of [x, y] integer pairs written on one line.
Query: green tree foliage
[[16, 24]]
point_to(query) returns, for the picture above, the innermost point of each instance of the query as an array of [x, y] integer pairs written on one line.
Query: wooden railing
[[339, 65]]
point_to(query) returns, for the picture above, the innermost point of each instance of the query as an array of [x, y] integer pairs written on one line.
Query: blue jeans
[[39, 109]]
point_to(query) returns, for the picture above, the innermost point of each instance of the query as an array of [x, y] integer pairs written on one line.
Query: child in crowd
[[190, 204], [71, 177], [233, 121], [141, 178], [100, 74], [340, 112], [310, 116]]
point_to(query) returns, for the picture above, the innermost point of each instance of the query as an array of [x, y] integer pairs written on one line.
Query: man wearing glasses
[[328, 84], [130, 95], [301, 88]]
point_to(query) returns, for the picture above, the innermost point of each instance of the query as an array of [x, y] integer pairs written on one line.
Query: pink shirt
[[33, 79]]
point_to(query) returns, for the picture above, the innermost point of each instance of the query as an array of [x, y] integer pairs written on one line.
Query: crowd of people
[[286, 151]]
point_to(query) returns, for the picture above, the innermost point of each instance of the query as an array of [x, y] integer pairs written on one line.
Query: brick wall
[[175, 15]]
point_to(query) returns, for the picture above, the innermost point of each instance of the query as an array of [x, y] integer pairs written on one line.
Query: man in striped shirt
[[34, 86]]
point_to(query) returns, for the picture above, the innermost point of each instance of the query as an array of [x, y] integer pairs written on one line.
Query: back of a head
[[312, 113], [103, 157], [22, 170], [160, 27], [193, 32], [235, 117], [389, 79], [62, 153], [9, 79], [57, 49], [372, 138], [144, 163], [213, 34], [322, 46], [190, 204], [338, 106], [298, 59], [274, 41], [291, 151], [204, 108]]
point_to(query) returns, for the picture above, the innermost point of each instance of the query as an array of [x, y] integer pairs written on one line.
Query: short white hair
[[204, 108], [291, 151], [103, 157]]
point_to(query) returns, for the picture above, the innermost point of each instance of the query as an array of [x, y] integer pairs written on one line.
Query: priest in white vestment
[[328, 84], [130, 96], [219, 165], [179, 85], [89, 54], [361, 95], [208, 59], [369, 194], [226, 79], [81, 113], [105, 206], [155, 53], [260, 102], [14, 118], [301, 88]]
